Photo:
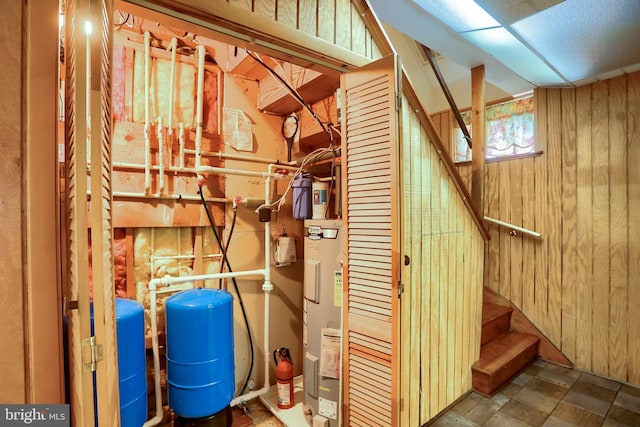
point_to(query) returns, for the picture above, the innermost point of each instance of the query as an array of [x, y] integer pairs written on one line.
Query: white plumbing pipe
[[147, 125], [153, 287], [242, 172], [178, 197], [267, 287], [160, 132], [173, 46], [181, 142], [233, 156], [156, 356], [199, 103]]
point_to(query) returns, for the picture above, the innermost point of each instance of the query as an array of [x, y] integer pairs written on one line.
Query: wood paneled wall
[[580, 283], [335, 21], [30, 344], [11, 106], [441, 303]]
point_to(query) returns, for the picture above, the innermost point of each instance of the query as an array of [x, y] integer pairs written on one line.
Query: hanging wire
[[309, 158], [235, 286], [295, 94]]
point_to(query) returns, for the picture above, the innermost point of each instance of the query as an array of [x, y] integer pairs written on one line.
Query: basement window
[[510, 130]]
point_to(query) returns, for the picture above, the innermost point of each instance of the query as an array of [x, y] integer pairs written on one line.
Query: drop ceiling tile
[[584, 38]]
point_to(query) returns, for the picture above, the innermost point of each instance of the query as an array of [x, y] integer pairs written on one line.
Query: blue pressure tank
[[200, 366], [132, 372]]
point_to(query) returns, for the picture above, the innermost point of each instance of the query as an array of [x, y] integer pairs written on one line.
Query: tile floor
[[551, 396]]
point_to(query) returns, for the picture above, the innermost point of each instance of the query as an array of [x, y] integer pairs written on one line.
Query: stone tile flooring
[[551, 396]]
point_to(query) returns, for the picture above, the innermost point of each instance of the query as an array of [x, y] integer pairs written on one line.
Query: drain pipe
[[147, 125]]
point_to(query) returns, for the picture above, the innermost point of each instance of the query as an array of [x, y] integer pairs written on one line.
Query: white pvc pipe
[[156, 356], [147, 125], [242, 172], [181, 142], [267, 287], [160, 155], [132, 195], [153, 287], [173, 46], [199, 103], [233, 156]]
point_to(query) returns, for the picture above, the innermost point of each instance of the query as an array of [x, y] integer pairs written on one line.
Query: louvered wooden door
[[370, 171], [88, 39]]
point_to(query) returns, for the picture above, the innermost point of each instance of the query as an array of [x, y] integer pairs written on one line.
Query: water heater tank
[[200, 367]]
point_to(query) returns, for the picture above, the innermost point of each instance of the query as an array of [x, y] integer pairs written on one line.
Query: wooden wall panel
[[633, 232], [327, 20], [308, 16], [618, 226], [601, 238], [442, 283], [13, 352], [343, 23], [579, 283], [584, 230]]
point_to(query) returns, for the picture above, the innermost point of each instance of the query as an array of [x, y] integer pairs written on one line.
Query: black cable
[[235, 286], [226, 246], [331, 175], [295, 94]]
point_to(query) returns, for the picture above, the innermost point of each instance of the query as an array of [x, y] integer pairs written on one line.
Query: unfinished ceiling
[[311, 85]]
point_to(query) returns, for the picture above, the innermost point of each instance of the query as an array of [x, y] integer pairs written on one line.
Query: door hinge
[[91, 353], [398, 102], [400, 288]]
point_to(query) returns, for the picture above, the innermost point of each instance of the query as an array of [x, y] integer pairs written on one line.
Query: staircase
[[503, 352]]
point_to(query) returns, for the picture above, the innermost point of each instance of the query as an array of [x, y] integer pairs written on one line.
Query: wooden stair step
[[496, 320], [501, 359]]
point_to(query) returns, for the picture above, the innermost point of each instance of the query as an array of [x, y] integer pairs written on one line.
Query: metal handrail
[[514, 227]]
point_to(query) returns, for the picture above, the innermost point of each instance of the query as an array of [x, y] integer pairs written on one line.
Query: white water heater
[[322, 317]]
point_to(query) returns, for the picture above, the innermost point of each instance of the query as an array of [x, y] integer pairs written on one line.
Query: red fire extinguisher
[[284, 377]]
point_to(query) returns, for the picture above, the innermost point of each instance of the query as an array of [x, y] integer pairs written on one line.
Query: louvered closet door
[[88, 147], [370, 172]]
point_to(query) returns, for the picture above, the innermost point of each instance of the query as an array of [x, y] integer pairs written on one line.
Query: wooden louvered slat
[[371, 273], [365, 340], [371, 290], [381, 301], [366, 273]]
